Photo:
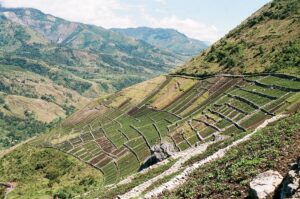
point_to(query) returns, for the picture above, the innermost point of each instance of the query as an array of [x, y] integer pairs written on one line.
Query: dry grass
[[138, 92], [44, 111], [176, 87], [27, 91]]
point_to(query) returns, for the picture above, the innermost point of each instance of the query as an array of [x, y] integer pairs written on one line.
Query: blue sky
[[201, 19]]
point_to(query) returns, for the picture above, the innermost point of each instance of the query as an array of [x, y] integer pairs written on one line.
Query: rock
[[264, 184], [218, 137], [291, 183], [162, 151]]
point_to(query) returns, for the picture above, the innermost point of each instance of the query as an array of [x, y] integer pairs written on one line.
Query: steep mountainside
[[89, 52], [208, 127], [50, 67], [168, 39], [268, 41]]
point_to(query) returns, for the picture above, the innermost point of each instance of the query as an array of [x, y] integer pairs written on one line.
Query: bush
[[15, 130], [2, 101], [226, 54]]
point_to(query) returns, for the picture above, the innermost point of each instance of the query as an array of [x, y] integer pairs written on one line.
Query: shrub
[[2, 101]]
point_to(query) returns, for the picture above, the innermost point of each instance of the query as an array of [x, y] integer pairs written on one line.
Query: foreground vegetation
[[46, 173], [14, 130], [274, 147]]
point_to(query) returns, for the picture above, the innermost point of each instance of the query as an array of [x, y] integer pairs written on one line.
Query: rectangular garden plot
[[127, 165], [150, 133], [105, 144], [110, 172]]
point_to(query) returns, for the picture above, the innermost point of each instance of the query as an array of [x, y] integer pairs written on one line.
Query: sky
[[206, 20]]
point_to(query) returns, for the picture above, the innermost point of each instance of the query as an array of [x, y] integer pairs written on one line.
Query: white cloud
[[98, 12], [114, 13], [191, 28]]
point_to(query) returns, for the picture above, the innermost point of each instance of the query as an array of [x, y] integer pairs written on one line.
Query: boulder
[[264, 184], [291, 183], [217, 137], [162, 151], [159, 152]]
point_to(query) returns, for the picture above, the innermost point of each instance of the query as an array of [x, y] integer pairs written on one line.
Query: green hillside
[[268, 41], [168, 39], [89, 53], [200, 110], [51, 67], [116, 135], [42, 173]]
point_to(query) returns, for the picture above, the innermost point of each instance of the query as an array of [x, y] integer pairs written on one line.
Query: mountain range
[[51, 67], [167, 39]]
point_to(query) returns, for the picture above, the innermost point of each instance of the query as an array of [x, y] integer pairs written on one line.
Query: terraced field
[[118, 139]]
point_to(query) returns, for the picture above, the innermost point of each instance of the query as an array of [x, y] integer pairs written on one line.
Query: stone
[[291, 183], [163, 151], [217, 137], [265, 184]]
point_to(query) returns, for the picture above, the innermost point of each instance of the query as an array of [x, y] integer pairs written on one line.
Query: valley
[[51, 67]]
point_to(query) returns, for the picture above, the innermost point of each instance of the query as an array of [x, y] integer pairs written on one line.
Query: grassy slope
[[274, 147], [28, 101], [21, 87], [42, 173], [268, 41]]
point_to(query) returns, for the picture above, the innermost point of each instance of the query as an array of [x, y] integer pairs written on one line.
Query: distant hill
[[268, 41], [90, 52], [168, 39], [51, 67]]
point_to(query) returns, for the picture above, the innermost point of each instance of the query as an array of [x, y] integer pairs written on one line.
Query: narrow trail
[[183, 177], [183, 157]]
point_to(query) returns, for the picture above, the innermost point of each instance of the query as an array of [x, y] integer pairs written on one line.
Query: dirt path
[[183, 157], [182, 178]]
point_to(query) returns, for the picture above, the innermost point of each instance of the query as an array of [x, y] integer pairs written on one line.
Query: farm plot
[[281, 82], [276, 93], [150, 133], [127, 165], [111, 173], [184, 99], [115, 136], [139, 148], [251, 97], [119, 143]]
